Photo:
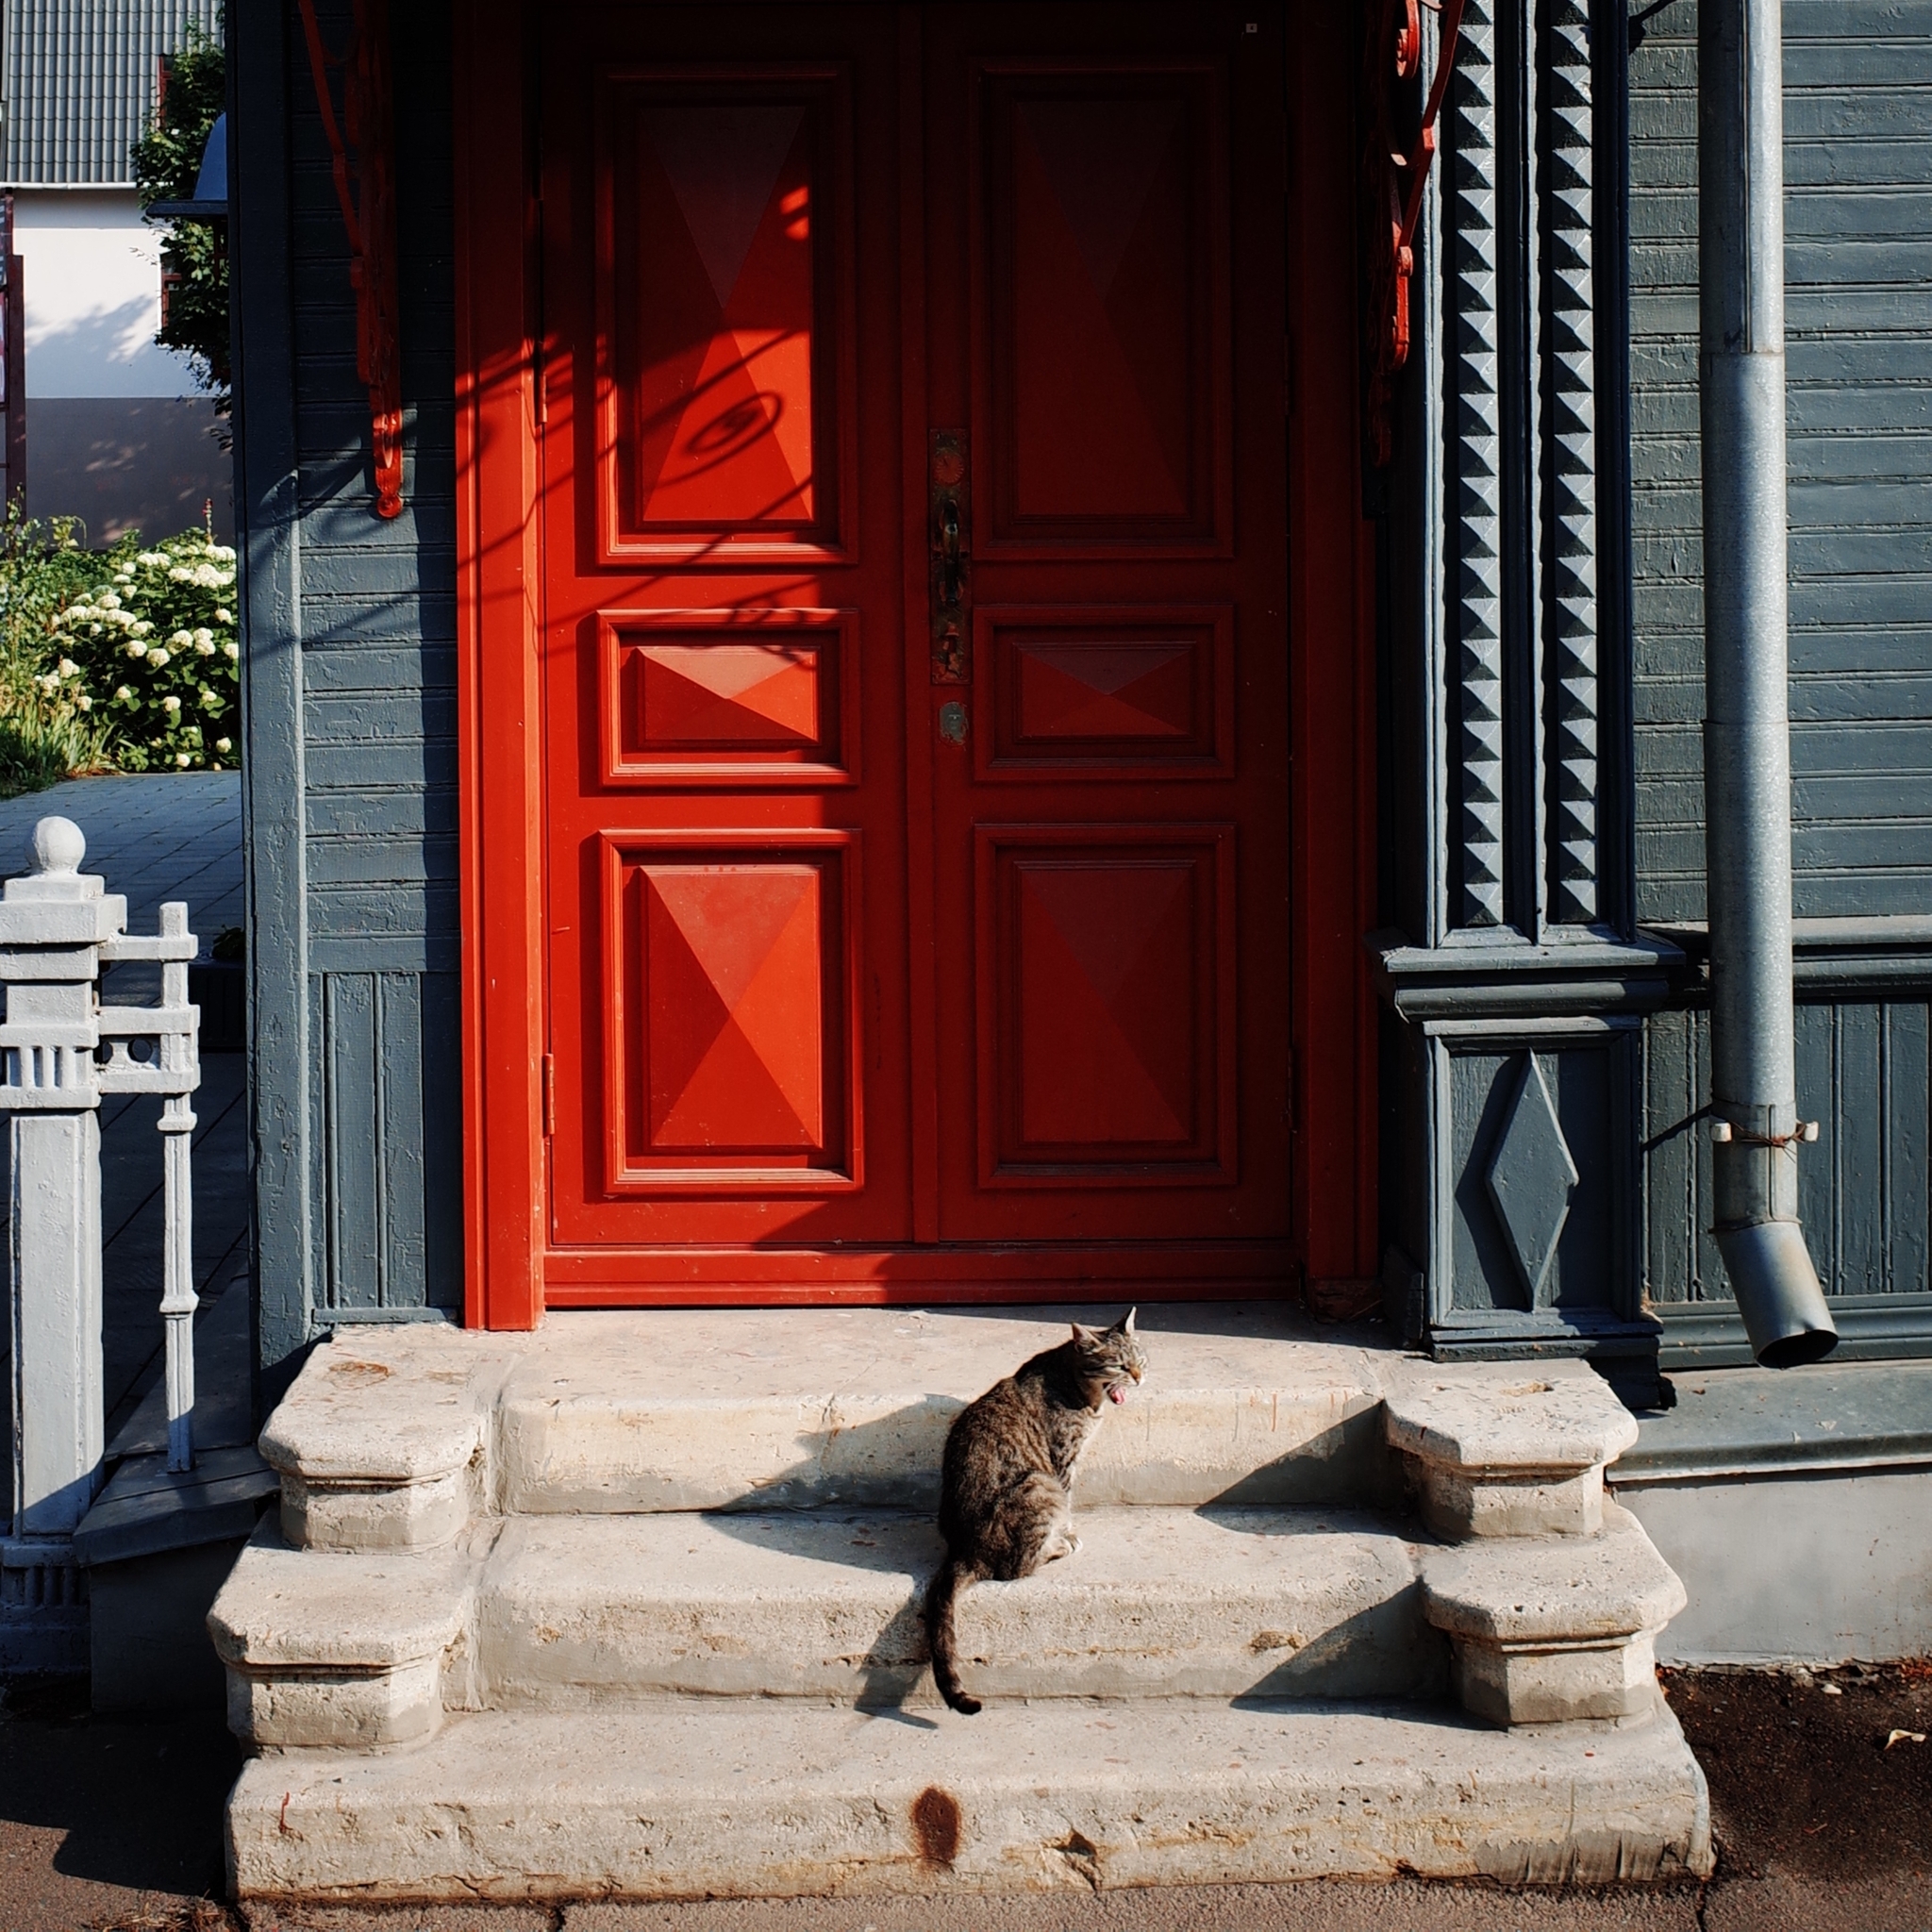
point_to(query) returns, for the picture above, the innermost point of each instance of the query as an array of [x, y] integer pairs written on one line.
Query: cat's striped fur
[[1006, 1505]]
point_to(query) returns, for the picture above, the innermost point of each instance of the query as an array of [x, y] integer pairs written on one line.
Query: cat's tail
[[939, 1597]]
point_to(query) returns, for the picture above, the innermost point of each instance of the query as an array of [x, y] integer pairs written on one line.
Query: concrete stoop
[[630, 1608], [734, 1799]]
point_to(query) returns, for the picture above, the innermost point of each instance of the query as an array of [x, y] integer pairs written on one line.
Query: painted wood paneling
[[1859, 276], [390, 1195], [1864, 1072]]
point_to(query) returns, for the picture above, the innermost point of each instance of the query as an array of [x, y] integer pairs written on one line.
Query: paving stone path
[[170, 837], [156, 839]]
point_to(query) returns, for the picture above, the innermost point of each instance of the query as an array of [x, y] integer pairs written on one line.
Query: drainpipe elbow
[[1778, 1295]]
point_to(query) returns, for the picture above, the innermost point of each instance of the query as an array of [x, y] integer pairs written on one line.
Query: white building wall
[[93, 296], [117, 432]]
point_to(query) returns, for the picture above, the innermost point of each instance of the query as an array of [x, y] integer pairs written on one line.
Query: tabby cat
[[1006, 1501]]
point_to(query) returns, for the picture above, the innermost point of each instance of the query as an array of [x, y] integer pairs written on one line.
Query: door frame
[[499, 715]]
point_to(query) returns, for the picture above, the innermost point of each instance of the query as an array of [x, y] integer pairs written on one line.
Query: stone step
[[732, 1798], [394, 1437], [1156, 1603], [783, 1409], [328, 1648]]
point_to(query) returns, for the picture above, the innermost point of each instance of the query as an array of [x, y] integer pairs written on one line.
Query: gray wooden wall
[[1858, 314], [351, 708], [1858, 321]]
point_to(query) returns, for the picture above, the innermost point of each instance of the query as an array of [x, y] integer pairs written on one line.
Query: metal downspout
[[1747, 788]]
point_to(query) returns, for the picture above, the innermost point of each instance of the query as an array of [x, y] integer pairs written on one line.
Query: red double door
[[915, 651]]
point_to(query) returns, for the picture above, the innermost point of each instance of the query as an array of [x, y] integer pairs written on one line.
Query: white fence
[[60, 1051]]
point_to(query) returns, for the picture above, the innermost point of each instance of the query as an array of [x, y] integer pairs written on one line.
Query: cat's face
[[1111, 1358]]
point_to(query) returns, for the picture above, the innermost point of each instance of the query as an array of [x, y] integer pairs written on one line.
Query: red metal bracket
[[369, 214], [1392, 190]]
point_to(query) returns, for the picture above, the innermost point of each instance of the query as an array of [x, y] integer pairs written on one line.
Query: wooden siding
[[1859, 281], [352, 759]]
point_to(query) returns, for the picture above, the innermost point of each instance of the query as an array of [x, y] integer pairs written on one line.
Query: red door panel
[[724, 307], [1099, 269], [1105, 1016], [753, 696], [1074, 693], [910, 944], [731, 963]]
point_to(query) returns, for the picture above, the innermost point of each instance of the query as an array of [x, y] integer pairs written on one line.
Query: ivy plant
[[194, 256]]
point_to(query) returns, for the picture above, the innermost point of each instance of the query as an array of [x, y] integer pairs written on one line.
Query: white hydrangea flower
[[224, 616], [224, 745], [211, 700], [68, 668], [203, 636], [141, 628], [149, 559], [231, 651], [182, 759], [156, 657], [181, 640], [171, 703], [180, 574], [83, 703], [135, 649], [222, 553], [106, 600], [124, 695]]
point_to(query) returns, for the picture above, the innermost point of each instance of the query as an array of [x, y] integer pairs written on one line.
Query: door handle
[[950, 500]]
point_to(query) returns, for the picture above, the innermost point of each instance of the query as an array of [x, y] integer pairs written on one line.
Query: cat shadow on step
[[863, 1495]]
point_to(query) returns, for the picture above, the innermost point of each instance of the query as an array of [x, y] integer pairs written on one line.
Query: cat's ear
[[1085, 1337], [1126, 1324]]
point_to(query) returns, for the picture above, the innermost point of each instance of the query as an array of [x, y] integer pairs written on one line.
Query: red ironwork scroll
[[1392, 179], [369, 214]]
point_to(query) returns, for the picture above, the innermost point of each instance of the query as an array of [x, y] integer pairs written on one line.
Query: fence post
[[60, 1050], [53, 923]]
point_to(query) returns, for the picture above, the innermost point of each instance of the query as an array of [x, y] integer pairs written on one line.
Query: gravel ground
[[1824, 1822]]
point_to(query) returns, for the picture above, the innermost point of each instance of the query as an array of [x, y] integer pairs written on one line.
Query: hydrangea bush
[[151, 653]]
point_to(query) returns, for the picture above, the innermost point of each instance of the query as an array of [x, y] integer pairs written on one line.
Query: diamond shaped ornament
[[1531, 1176]]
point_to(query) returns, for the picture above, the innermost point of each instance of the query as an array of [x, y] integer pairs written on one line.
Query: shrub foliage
[[151, 652], [41, 738]]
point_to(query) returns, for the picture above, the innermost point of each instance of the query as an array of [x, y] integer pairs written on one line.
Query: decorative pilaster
[[1476, 590], [1569, 466], [1515, 1231]]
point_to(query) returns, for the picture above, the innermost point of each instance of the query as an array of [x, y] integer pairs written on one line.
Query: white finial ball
[[57, 845]]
